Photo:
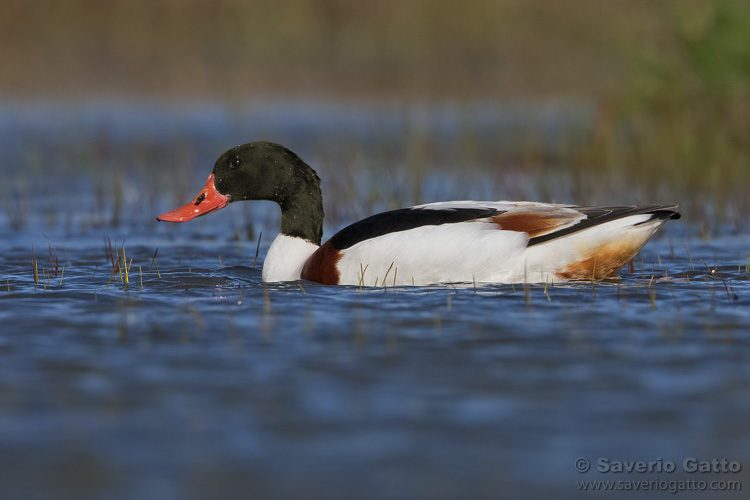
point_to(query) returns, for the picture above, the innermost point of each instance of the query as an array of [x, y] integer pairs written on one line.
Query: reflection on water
[[197, 381]]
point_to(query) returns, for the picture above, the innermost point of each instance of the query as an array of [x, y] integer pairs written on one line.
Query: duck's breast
[[286, 258]]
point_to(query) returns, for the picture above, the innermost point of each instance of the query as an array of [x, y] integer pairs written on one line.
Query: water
[[198, 381]]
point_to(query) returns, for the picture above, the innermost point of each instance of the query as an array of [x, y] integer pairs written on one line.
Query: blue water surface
[[193, 379]]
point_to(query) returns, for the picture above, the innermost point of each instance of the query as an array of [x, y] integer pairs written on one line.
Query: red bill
[[207, 201]]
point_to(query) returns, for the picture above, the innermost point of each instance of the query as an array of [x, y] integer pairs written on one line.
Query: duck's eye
[[236, 163]]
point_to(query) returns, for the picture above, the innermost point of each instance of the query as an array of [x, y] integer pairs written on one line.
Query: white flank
[[286, 257], [480, 252], [432, 254]]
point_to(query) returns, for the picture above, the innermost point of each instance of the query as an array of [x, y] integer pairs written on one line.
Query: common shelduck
[[456, 241]]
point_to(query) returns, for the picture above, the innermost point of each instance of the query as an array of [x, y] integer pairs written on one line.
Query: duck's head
[[253, 171]]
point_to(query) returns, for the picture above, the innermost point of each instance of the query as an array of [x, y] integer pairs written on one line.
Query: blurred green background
[[668, 80]]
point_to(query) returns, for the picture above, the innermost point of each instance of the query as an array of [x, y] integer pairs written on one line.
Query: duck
[[435, 243]]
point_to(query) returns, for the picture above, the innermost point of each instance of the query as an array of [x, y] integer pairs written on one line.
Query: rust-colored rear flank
[[604, 262], [321, 265]]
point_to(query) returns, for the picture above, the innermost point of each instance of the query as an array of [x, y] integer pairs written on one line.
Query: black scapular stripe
[[600, 215], [403, 220]]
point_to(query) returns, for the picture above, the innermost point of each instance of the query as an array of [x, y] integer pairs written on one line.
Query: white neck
[[286, 257]]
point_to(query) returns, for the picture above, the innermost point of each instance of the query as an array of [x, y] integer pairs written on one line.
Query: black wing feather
[[403, 220], [600, 215]]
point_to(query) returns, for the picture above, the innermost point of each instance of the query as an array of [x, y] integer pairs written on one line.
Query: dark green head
[[263, 171]]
